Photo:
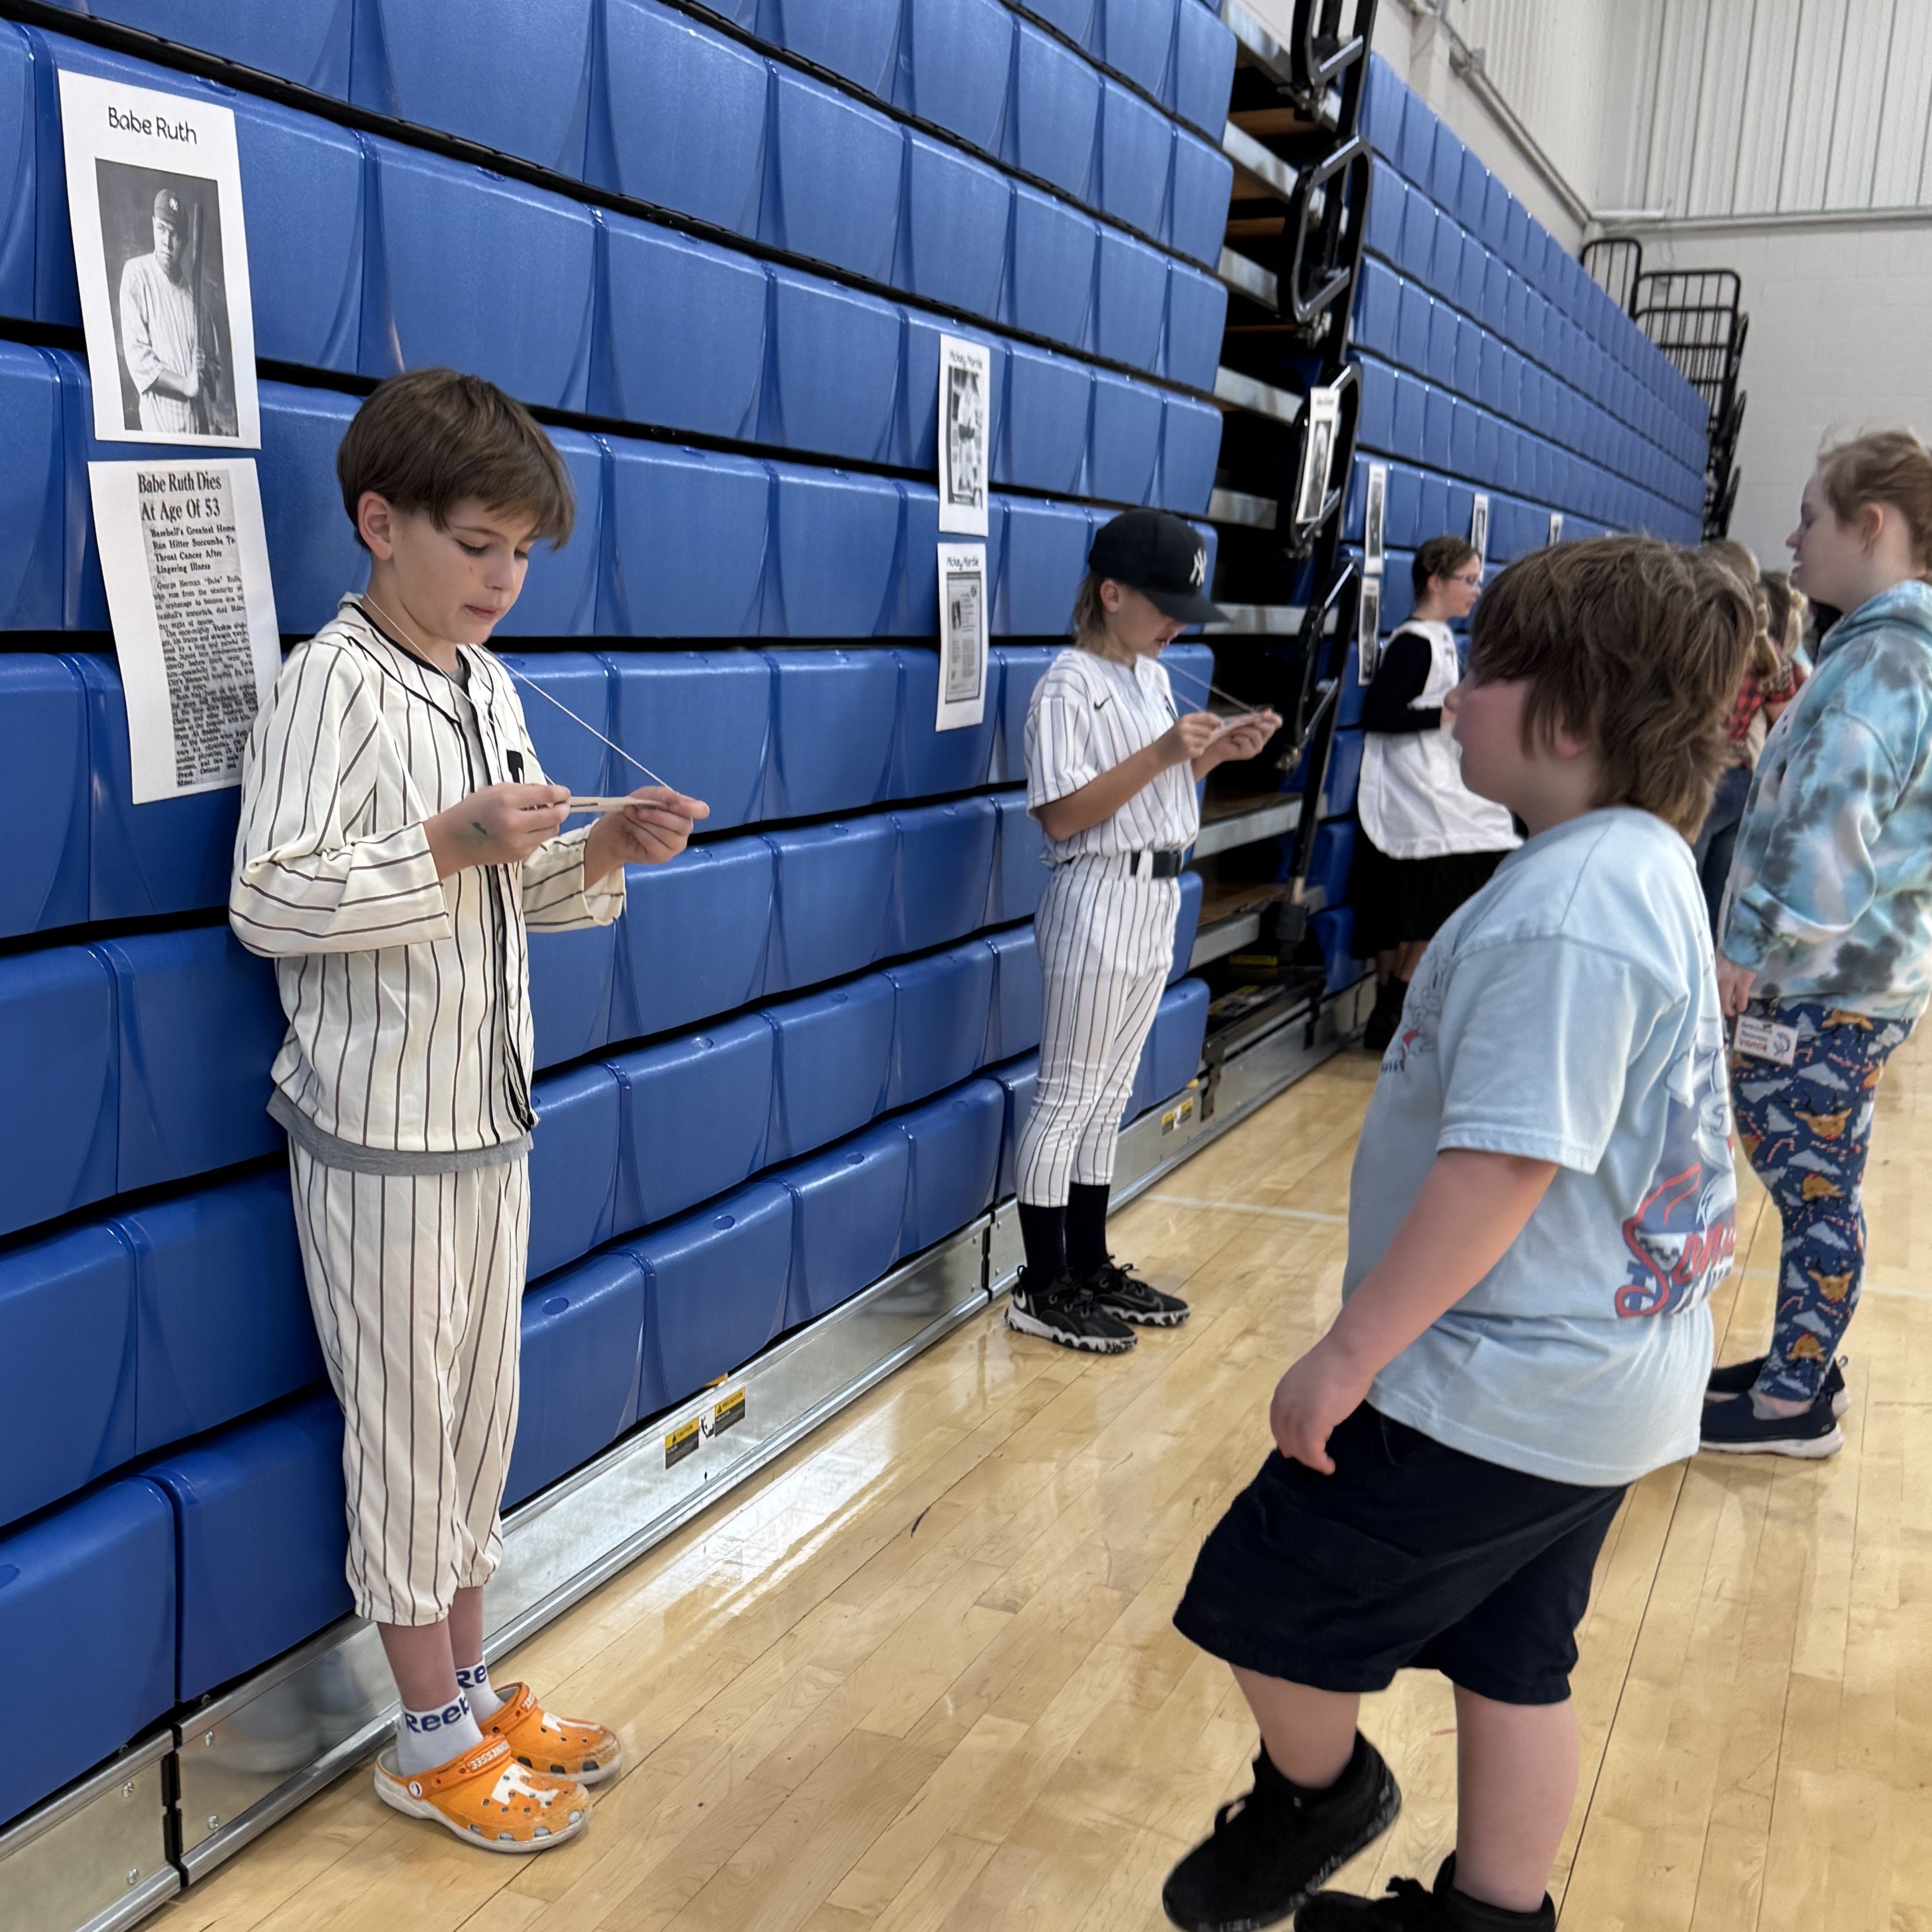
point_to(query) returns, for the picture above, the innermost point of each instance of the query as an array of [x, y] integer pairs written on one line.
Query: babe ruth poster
[[185, 560], [965, 415], [1373, 517], [1479, 528], [154, 192], [1368, 630], [963, 624], [1318, 453]]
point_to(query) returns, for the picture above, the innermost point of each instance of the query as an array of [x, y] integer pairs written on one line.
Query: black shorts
[[1411, 1555]]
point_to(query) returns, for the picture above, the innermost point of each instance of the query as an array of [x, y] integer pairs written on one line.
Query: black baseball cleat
[[1064, 1310], [1271, 1850], [1741, 1378], [1118, 1291], [1410, 1905], [1733, 1427]]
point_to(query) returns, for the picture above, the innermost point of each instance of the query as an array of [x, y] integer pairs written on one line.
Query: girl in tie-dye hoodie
[[1826, 945]]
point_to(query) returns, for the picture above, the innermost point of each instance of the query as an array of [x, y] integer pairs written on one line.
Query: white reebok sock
[[427, 1738], [474, 1679]]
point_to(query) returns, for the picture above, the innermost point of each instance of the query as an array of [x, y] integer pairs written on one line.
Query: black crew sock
[[1086, 1229], [1473, 1914], [1044, 1231]]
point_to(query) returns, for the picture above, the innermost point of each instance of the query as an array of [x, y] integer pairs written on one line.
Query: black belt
[[1156, 863]]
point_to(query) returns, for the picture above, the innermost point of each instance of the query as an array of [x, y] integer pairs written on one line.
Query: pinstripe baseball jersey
[[408, 1046], [1087, 714], [159, 332]]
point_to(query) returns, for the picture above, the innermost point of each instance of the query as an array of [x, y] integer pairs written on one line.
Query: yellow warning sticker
[[728, 1413], [681, 1442]]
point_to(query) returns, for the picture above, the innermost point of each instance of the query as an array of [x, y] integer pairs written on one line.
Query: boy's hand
[[1187, 738], [1316, 1396], [501, 825], [656, 826]]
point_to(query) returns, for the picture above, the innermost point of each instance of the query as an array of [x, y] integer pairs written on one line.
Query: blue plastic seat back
[[925, 760], [835, 368], [1136, 160], [582, 1338], [1018, 1080], [1138, 40], [44, 739], [694, 1113], [225, 1324], [1197, 311], [569, 751], [1130, 302], [1053, 122], [572, 979], [693, 940], [1022, 667], [714, 1288], [1339, 779], [1189, 665], [953, 228], [1127, 419], [1052, 288], [307, 42], [260, 1525], [945, 1002], [834, 174], [833, 902], [312, 546], [1190, 450], [57, 1036], [1046, 557], [701, 720], [944, 869], [1044, 422], [835, 552], [955, 57], [198, 1022], [517, 78], [565, 586], [848, 1206], [435, 225], [689, 531], [1203, 181], [1334, 932], [832, 1058], [1018, 994], [1204, 70], [35, 492], [953, 1145], [858, 39], [68, 1336], [1021, 876], [1079, 20], [680, 117], [573, 1166], [1186, 926], [835, 718], [1180, 1025], [90, 1597]]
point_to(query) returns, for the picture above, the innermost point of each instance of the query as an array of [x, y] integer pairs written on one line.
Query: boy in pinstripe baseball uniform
[[1110, 772], [397, 839]]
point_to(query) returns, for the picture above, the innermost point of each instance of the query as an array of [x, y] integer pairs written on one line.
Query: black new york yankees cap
[[1161, 556]]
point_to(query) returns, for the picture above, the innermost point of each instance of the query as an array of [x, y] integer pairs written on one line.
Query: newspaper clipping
[[963, 626], [965, 422]]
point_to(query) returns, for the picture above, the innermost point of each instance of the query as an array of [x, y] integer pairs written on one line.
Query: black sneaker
[[1409, 1905], [1387, 1016], [1741, 1378], [1734, 1428], [1065, 1311], [1273, 1849], [1118, 1291]]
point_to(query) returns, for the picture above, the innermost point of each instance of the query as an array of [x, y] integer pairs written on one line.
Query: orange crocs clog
[[557, 1747], [488, 1799]]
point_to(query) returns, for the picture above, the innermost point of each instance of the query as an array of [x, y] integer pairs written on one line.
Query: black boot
[[1409, 1907], [1272, 1848], [1387, 1016]]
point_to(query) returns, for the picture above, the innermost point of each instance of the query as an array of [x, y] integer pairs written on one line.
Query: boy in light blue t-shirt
[[1542, 1200]]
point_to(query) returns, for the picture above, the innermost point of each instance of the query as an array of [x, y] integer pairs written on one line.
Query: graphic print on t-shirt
[[1681, 1236]]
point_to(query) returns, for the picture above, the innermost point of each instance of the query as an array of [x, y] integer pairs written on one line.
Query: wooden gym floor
[[920, 1677]]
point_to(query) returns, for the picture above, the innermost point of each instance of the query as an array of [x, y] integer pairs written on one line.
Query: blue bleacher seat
[[1188, 923], [693, 1113], [197, 1022], [308, 43], [1343, 768], [1467, 380], [680, 117], [435, 225], [1330, 858], [1204, 179], [1417, 243], [312, 545], [57, 1033], [831, 1057], [1377, 321], [1129, 301], [943, 872], [1137, 39], [1015, 1025], [1442, 325], [90, 1597], [1044, 420], [1439, 409], [1334, 932], [953, 228], [1136, 159], [224, 1315], [836, 538], [953, 1162], [259, 1517], [1021, 875], [44, 728], [1022, 667], [848, 1205], [1445, 256], [1050, 282], [1204, 70], [954, 60], [1046, 556], [693, 940], [1388, 204], [1054, 117], [1190, 450], [835, 172], [702, 719], [1079, 20], [1125, 446], [573, 976], [945, 1003], [1018, 1079], [1412, 328], [835, 717], [689, 531], [1409, 416], [912, 600], [1416, 154], [858, 39], [67, 1335], [1402, 514], [715, 1287], [574, 1164], [1189, 665], [834, 367], [683, 343], [926, 760], [565, 587], [1472, 277], [833, 896], [570, 754], [1181, 1023], [1445, 167], [583, 1334], [1472, 191], [36, 494]]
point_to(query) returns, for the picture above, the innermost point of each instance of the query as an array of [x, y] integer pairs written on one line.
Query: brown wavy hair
[[1632, 643], [1890, 466]]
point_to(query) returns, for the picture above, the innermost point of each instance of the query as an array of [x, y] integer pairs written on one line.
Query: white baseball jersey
[[409, 1047], [159, 333], [1088, 714]]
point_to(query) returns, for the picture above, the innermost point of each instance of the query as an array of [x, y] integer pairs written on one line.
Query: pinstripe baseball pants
[[1106, 943], [416, 1281]]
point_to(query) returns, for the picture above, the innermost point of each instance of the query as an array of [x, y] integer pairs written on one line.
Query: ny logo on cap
[[1198, 576]]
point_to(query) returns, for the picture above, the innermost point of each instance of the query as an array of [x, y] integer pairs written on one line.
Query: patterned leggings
[[1806, 1129]]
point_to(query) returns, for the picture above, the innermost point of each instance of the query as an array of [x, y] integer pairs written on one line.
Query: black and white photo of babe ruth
[[965, 433], [161, 241]]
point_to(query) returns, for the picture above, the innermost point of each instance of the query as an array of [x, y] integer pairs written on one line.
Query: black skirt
[[1397, 900]]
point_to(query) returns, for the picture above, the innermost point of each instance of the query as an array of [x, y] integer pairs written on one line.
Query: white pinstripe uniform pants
[[1106, 944], [416, 1282]]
